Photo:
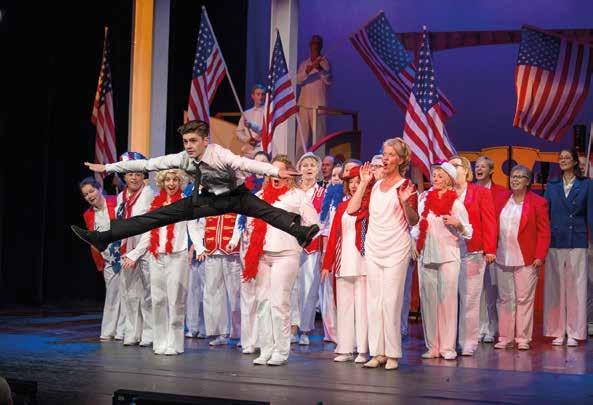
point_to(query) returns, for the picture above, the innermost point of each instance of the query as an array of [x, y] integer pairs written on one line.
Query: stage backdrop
[[478, 80]]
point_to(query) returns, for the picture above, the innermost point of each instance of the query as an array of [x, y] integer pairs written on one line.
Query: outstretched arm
[[365, 179], [149, 165]]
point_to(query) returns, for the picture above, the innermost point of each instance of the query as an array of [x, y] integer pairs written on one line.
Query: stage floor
[[60, 350]]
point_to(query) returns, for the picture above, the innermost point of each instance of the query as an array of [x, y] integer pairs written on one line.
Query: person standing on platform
[[314, 78], [475, 252], [133, 201], [250, 125], [222, 279], [387, 208], [484, 169], [306, 290], [443, 222], [570, 201], [523, 241], [327, 166], [219, 172], [168, 264], [97, 217], [344, 255], [273, 260]]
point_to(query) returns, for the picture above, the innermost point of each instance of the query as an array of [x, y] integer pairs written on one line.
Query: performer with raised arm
[[219, 172]]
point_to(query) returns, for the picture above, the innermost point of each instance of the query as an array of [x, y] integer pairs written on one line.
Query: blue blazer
[[570, 217]]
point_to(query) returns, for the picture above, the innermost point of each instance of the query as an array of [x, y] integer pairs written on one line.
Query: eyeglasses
[[565, 158], [518, 177]]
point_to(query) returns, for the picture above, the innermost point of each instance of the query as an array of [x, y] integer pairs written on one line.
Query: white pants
[[194, 309], [488, 314], [471, 283], [168, 281], [590, 283], [407, 301], [565, 293], [307, 288], [136, 295], [352, 316], [114, 315], [248, 314], [222, 303], [308, 122], [328, 309], [516, 295], [438, 299], [275, 279], [385, 290]]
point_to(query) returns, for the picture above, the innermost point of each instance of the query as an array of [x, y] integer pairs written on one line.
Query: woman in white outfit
[[273, 260], [443, 221], [344, 255], [389, 207]]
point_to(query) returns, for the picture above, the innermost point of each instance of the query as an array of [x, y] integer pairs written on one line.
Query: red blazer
[[534, 228], [89, 219], [495, 189], [480, 208]]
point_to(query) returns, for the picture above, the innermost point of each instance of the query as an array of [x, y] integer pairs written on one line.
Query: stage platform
[[61, 351]]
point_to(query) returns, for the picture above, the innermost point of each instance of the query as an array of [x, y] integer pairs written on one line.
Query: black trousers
[[239, 201]]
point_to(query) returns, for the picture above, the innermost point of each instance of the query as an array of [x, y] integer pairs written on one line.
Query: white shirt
[[567, 186], [508, 252], [442, 241], [222, 170], [313, 84], [351, 261], [141, 206], [255, 116], [388, 238]]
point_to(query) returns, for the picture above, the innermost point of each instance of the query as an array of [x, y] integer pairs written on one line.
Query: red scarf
[[438, 206], [155, 238], [258, 235]]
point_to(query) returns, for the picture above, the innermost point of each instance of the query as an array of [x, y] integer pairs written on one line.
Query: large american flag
[[209, 70], [280, 98], [388, 59], [102, 117], [424, 126], [552, 80]]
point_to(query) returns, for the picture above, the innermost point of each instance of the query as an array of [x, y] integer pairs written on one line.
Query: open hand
[[406, 192], [365, 173], [287, 174], [537, 263], [490, 258], [96, 167], [451, 220], [324, 275], [128, 263]]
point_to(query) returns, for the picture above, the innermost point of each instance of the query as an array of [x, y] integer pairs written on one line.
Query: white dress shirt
[[509, 252], [313, 84], [222, 170]]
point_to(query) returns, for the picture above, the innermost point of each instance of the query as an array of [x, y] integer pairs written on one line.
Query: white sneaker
[[430, 355], [559, 341], [201, 336], [304, 340], [450, 355], [130, 342], [342, 358], [503, 345], [277, 360], [488, 339], [570, 342], [159, 352], [467, 353], [248, 350], [119, 338], [294, 339], [219, 341], [189, 335], [523, 346], [171, 352], [361, 358], [145, 343], [261, 360], [105, 338]]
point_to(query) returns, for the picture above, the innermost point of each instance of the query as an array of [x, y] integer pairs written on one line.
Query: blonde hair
[[449, 179], [180, 174], [403, 151], [469, 175], [289, 166]]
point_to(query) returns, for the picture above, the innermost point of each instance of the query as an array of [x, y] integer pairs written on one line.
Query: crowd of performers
[[478, 249]]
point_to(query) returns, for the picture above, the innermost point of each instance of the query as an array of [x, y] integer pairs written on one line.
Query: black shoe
[[89, 237], [306, 234]]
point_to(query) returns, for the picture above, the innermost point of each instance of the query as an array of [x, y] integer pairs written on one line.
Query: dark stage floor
[[60, 350]]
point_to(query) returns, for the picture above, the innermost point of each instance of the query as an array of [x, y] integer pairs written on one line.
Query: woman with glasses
[[523, 241], [565, 290]]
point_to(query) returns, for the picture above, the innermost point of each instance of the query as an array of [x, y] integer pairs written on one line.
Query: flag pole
[[588, 161]]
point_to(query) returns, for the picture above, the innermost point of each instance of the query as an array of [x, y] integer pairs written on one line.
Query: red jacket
[[331, 261], [480, 208], [534, 228], [89, 219], [218, 233], [495, 189]]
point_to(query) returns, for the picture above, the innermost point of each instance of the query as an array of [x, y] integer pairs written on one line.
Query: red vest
[[317, 201], [218, 233], [89, 219]]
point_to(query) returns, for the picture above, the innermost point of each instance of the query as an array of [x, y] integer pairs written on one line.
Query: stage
[[60, 350]]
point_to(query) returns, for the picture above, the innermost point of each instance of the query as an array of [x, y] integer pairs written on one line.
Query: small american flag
[[388, 59], [552, 80], [280, 98], [424, 127], [209, 70], [102, 117]]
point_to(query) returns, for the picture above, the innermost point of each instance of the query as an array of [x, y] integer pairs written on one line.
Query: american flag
[[209, 70], [102, 117], [280, 98], [388, 59], [552, 80], [424, 126]]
